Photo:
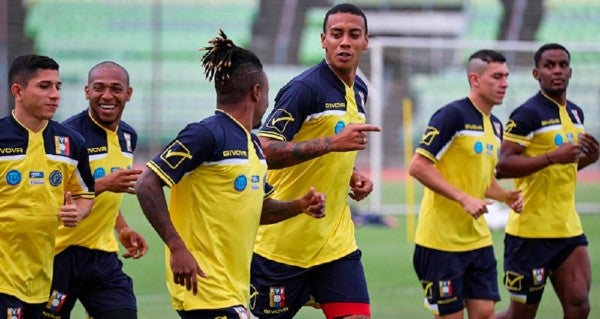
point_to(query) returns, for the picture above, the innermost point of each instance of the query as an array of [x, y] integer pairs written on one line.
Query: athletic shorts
[[11, 307], [449, 278], [94, 277], [529, 261], [279, 290], [237, 312]]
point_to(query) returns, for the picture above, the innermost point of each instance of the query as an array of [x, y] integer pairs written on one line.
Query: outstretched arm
[[282, 154], [150, 194], [119, 181], [312, 204]]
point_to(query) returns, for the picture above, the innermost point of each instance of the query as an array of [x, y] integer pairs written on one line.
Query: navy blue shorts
[[94, 277], [529, 261], [12, 307], [449, 278], [237, 312], [279, 290]]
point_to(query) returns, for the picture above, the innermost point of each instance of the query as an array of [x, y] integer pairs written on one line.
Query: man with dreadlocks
[[312, 138], [219, 196]]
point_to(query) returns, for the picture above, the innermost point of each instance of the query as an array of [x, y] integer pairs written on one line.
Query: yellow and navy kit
[[108, 151], [541, 125], [217, 171], [463, 143], [314, 104], [36, 170]]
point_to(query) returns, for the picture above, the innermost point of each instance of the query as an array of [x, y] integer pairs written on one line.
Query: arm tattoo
[[284, 154]]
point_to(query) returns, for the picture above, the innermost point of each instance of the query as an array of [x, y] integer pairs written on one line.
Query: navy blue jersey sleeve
[[521, 122], [292, 105], [192, 147], [443, 125]]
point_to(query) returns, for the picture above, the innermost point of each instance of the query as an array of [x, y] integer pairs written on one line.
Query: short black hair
[[345, 8], [235, 70], [109, 63], [537, 57], [25, 67], [488, 56]]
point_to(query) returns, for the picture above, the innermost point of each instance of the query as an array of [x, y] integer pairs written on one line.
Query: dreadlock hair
[[235, 70]]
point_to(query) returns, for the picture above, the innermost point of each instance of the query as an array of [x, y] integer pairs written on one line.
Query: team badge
[[128, 142], [55, 178], [62, 145], [240, 183], [57, 300], [277, 297], [14, 313], [558, 140], [445, 288], [539, 276], [175, 154], [339, 126], [13, 177], [576, 116]]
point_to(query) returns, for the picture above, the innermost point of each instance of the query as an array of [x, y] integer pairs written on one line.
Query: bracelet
[[548, 158]]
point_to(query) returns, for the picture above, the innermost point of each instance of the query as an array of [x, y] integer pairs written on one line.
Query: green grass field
[[387, 256]]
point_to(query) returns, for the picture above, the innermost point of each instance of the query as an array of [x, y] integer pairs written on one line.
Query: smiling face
[[37, 101], [108, 91], [344, 40]]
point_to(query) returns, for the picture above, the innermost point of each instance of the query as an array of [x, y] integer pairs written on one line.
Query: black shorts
[[94, 277], [279, 290], [237, 312], [11, 307], [529, 261], [449, 278]]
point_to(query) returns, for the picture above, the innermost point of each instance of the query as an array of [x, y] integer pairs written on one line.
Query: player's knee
[[577, 307]]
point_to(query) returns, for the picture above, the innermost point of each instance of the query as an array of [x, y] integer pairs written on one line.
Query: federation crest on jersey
[[56, 301], [445, 288], [175, 154], [128, 146], [576, 116], [62, 145], [14, 313], [277, 297], [13, 177], [55, 178]]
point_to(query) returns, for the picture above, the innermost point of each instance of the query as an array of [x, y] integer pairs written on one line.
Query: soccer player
[[86, 265], [455, 160], [46, 180], [311, 138], [216, 170], [544, 146]]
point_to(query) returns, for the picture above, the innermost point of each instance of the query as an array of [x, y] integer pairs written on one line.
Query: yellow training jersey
[[541, 125], [216, 171], [463, 143], [36, 169], [108, 151], [313, 105]]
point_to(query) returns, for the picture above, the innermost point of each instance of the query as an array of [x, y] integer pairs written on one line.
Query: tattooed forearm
[[284, 154]]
